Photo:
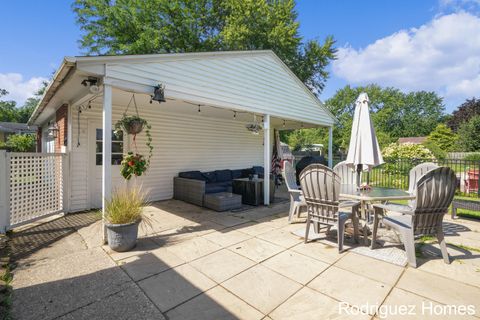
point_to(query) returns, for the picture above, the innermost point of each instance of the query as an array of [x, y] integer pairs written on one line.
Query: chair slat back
[[434, 194], [289, 176], [417, 172], [346, 173], [321, 190]]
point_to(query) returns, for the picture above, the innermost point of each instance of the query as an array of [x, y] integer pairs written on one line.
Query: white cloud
[[443, 55], [19, 89]]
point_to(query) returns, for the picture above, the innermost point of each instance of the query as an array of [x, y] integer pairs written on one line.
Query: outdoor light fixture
[[158, 94], [53, 131], [254, 127], [199, 110], [92, 83], [234, 114]]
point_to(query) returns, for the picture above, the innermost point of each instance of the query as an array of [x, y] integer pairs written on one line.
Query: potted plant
[[133, 164], [131, 124], [123, 214]]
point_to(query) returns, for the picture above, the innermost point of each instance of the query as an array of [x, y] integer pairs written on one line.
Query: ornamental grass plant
[[125, 206]]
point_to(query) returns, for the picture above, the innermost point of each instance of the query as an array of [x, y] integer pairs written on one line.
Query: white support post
[[107, 150], [4, 191], [267, 159], [330, 147]]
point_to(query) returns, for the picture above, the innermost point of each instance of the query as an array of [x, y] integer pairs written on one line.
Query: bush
[[443, 138], [468, 135], [396, 151], [472, 157], [21, 143], [437, 151]]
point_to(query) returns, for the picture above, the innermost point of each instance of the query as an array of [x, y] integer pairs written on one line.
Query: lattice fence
[[36, 185]]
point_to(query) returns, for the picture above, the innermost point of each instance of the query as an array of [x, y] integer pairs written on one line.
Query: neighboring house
[[9, 128], [414, 140], [210, 98]]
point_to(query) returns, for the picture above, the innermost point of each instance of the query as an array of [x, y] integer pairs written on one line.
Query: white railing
[[32, 186]]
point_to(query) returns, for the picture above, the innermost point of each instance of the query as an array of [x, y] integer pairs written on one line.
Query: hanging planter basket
[[132, 124]]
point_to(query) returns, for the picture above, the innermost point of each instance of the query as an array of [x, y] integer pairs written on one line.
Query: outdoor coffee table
[[251, 190], [375, 194]]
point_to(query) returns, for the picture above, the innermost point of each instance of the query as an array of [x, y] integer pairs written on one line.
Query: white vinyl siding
[[181, 143], [257, 83]]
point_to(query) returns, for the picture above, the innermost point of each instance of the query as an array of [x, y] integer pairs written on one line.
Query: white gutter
[[59, 78]]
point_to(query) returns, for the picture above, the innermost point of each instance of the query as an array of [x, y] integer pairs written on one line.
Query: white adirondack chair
[[296, 197]]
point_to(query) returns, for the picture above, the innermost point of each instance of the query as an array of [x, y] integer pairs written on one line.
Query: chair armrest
[[348, 203], [395, 207], [189, 190], [296, 191]]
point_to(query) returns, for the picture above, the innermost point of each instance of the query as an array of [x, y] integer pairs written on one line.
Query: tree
[[467, 110], [394, 114], [20, 143], [443, 137], [469, 135], [9, 112], [169, 26]]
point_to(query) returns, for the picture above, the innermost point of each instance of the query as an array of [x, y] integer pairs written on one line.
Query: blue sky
[[409, 44]]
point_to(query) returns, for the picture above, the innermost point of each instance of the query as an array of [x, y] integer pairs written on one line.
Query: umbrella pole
[[359, 171]]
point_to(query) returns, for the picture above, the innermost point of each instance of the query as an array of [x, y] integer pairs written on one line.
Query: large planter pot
[[135, 127], [122, 237]]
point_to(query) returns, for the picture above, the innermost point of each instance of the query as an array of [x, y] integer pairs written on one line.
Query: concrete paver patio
[[193, 263]]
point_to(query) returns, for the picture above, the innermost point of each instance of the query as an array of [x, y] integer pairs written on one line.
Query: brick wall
[[39, 139], [61, 120]]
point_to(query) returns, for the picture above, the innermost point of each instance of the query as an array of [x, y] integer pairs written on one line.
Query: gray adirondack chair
[[347, 174], [296, 198], [434, 193], [415, 174], [321, 190]]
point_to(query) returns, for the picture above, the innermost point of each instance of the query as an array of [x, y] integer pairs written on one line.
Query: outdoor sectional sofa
[[192, 186]]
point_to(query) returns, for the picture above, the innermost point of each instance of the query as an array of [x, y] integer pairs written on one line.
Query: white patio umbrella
[[363, 151]]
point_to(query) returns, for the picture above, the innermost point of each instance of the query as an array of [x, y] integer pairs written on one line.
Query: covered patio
[[194, 263]]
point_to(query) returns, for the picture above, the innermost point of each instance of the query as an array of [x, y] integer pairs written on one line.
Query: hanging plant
[[133, 164], [134, 124]]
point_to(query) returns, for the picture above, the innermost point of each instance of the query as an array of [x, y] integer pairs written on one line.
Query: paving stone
[[254, 228], [352, 288], [309, 304], [280, 237], [319, 251], [384, 272], [295, 266], [222, 265], [226, 220], [439, 288], [148, 264], [130, 303], [62, 285], [195, 248], [172, 287], [216, 303], [261, 288], [227, 237], [144, 245], [256, 249]]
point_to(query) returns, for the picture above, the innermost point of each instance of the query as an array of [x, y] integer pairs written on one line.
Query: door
[[95, 141]]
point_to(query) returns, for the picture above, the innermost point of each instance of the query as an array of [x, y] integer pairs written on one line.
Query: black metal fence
[[395, 174]]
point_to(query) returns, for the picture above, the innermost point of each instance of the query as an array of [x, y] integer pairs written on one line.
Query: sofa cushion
[[257, 170], [215, 187], [237, 174], [223, 175], [210, 176], [195, 175]]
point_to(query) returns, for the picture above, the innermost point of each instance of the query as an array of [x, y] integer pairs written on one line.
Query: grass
[[461, 246]]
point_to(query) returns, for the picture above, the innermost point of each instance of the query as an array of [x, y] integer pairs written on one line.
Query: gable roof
[[14, 127], [253, 81], [415, 140]]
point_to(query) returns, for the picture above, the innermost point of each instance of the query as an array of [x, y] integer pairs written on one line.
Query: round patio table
[[374, 194]]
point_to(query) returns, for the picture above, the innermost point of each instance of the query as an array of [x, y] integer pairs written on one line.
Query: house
[[414, 140], [210, 98], [9, 128]]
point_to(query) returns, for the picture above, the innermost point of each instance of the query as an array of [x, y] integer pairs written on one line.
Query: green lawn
[[460, 212]]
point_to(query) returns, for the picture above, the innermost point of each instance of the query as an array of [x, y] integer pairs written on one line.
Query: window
[[117, 147]]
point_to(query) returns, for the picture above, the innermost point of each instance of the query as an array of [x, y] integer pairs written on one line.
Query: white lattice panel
[[36, 186]]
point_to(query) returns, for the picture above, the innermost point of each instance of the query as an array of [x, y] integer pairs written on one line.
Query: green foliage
[[438, 152], [394, 114], [125, 206], [301, 138], [126, 122], [443, 137], [397, 151], [9, 112], [133, 165], [467, 110], [168, 26], [469, 135], [472, 157], [20, 143]]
